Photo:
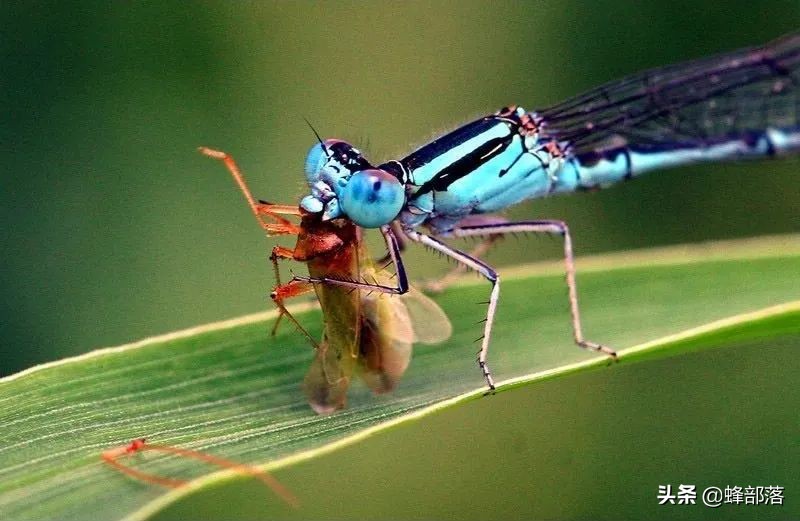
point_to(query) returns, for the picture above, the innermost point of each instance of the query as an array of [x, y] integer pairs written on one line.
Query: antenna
[[324, 148]]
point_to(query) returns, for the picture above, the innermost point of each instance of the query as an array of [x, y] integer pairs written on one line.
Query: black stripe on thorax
[[465, 164]]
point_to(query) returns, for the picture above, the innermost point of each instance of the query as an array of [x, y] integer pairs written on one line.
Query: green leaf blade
[[233, 391]]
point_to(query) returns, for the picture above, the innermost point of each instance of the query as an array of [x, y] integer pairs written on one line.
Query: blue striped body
[[745, 104], [512, 166], [629, 162]]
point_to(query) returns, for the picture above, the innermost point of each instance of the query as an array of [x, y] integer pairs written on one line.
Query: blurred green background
[[114, 228]]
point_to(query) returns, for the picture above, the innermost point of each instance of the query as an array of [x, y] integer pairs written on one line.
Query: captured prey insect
[[744, 104], [368, 333]]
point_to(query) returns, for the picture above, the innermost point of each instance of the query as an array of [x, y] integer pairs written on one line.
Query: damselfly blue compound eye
[[329, 158], [372, 198], [315, 161], [332, 160]]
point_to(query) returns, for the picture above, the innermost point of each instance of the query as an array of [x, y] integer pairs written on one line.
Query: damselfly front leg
[[550, 227], [393, 247], [400, 237]]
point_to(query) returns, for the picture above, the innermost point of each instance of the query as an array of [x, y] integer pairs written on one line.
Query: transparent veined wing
[[391, 325], [686, 105], [411, 317], [429, 322], [386, 342]]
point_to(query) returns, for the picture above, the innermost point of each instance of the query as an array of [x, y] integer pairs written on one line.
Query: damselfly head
[[328, 166]]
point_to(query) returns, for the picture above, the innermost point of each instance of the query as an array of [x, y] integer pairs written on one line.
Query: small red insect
[[112, 456]]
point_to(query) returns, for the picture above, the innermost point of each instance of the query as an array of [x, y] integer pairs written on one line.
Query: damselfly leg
[[478, 251], [393, 247], [442, 283], [489, 273], [549, 227], [467, 261]]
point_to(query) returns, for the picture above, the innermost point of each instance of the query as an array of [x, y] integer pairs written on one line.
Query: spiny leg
[[401, 238], [551, 227], [260, 209], [393, 247], [485, 270], [437, 286], [477, 252]]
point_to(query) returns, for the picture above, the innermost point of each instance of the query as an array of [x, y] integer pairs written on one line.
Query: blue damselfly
[[739, 105]]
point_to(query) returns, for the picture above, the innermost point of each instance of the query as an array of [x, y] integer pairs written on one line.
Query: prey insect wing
[[371, 334], [391, 325]]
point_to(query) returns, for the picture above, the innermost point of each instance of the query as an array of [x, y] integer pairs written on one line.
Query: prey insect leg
[[260, 210], [112, 456], [291, 289]]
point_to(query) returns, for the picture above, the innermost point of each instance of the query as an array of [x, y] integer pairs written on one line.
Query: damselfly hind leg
[[549, 227]]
